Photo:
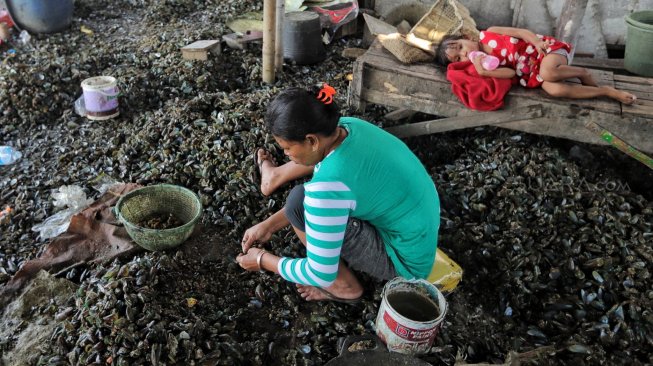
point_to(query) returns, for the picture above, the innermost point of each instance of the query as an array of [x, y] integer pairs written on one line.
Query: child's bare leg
[[273, 176], [574, 91], [554, 68]]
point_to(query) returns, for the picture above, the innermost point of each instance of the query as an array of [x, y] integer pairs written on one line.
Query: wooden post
[[278, 45], [571, 18], [269, 29]]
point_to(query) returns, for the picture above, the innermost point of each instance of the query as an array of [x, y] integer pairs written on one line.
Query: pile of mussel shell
[[557, 250]]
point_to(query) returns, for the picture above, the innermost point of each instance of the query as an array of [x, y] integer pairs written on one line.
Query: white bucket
[[410, 315], [101, 97]]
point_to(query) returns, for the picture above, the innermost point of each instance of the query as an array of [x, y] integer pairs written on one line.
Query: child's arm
[[525, 34], [499, 73]]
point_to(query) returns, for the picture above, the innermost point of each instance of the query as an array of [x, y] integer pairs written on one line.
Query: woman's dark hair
[[441, 51], [295, 113]]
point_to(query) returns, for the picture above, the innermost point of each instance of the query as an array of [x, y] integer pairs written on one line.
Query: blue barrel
[[41, 16]]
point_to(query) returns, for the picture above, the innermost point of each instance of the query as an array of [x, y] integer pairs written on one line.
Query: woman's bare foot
[[267, 168], [620, 95], [311, 293]]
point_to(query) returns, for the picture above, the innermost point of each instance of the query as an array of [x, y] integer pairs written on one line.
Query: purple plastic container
[[101, 97]]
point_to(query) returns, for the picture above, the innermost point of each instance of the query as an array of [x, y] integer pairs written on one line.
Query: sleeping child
[[536, 60]]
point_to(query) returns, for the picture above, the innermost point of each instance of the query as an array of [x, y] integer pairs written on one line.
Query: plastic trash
[[5, 214], [6, 18], [9, 155], [445, 274], [489, 62], [102, 183], [338, 13], [5, 25], [80, 107], [75, 199], [24, 37]]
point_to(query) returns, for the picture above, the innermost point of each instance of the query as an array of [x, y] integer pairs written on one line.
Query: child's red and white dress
[[521, 55]]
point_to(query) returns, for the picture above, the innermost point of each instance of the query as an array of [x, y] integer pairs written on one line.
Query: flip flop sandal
[[335, 298]]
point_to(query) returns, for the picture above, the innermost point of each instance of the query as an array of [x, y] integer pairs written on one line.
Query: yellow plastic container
[[445, 274]]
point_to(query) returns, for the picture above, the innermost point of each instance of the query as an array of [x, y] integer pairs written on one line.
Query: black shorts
[[362, 248]]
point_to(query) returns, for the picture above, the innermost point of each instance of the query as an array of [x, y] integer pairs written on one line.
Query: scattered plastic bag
[[80, 107], [72, 197], [5, 214], [24, 37], [103, 182], [336, 13]]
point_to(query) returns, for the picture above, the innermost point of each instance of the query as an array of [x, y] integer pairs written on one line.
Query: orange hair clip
[[326, 94]]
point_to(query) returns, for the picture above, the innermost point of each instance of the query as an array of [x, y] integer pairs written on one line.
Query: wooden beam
[[269, 30], [571, 18], [620, 144], [399, 114], [611, 64], [377, 26], [199, 50], [278, 44], [475, 120], [355, 88]]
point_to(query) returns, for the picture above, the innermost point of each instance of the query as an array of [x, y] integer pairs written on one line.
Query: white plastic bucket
[[410, 315], [101, 97]]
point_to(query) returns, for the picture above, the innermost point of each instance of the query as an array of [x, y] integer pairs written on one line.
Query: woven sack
[[445, 17], [402, 50]]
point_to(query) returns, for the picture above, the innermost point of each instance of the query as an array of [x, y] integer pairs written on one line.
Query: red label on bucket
[[409, 333]]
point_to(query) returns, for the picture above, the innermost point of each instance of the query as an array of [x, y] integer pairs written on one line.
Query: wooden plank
[[383, 60], [380, 58], [377, 26], [633, 87], [566, 128], [385, 81], [199, 50], [612, 64], [355, 87], [600, 104], [421, 71], [399, 114], [620, 144], [638, 109], [353, 52], [426, 105], [645, 103], [568, 122], [474, 120], [640, 94], [561, 120], [240, 40], [634, 79]]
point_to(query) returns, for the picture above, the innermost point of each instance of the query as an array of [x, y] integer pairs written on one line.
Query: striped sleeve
[[326, 211]]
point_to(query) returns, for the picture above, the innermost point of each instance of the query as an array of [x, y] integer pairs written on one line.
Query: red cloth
[[475, 91]]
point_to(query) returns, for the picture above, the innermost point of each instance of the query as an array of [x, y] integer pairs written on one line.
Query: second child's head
[[454, 48]]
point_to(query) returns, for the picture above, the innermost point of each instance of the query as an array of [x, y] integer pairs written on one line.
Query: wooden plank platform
[[199, 50], [379, 78]]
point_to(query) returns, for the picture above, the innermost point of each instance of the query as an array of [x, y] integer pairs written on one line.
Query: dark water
[[413, 306]]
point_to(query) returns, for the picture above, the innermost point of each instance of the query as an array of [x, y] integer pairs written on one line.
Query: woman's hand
[[247, 261], [258, 233]]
